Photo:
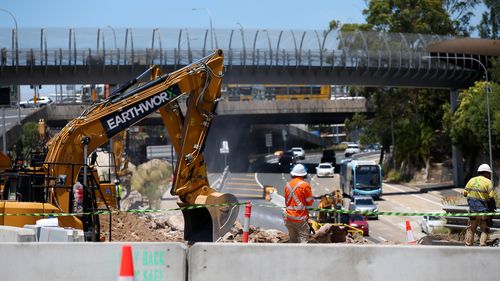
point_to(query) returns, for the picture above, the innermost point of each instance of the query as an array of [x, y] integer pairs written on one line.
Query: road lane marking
[[418, 196], [230, 182], [257, 181], [241, 188]]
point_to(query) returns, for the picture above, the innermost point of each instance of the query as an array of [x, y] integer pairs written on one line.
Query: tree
[[489, 27], [460, 13], [410, 16], [30, 140], [151, 179], [468, 125]]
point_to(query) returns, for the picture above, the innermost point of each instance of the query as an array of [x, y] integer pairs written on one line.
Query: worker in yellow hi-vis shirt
[[480, 198]]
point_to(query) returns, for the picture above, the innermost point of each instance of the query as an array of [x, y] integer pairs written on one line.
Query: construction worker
[[480, 197], [118, 193], [298, 196]]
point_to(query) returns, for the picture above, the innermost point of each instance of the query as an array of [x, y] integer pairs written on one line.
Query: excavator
[[65, 183]]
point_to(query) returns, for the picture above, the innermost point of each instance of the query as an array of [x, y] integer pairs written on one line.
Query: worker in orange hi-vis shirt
[[298, 196]]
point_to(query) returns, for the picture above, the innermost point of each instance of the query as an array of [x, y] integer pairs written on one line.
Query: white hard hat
[[484, 168], [298, 171]]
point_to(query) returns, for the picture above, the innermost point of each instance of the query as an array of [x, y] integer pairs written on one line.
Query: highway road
[[11, 117], [396, 197]]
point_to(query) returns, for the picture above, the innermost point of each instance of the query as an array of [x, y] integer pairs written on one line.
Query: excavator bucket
[[210, 222]]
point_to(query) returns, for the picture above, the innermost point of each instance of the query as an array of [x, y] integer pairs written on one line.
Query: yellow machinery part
[[14, 207]]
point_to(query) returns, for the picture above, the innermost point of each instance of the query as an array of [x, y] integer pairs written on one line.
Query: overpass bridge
[[95, 56]]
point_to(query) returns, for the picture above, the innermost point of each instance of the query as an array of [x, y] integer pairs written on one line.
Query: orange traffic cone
[[409, 234], [127, 264]]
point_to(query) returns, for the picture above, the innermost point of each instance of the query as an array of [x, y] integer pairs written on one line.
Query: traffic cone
[[409, 234], [127, 264]]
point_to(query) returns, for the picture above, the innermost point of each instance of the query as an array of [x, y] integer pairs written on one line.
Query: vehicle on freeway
[[325, 170], [40, 101], [342, 172], [361, 178], [429, 223], [360, 222], [299, 152], [286, 161], [372, 147], [329, 157], [365, 203], [352, 149]]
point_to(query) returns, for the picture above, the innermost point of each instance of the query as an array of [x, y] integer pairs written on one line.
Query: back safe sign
[[131, 114]]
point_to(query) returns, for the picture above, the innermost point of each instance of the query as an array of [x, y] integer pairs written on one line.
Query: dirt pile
[[141, 228]]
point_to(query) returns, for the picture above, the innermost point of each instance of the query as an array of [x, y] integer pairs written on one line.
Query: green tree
[[30, 140], [409, 16], [151, 179], [468, 126], [489, 27], [460, 13], [495, 70]]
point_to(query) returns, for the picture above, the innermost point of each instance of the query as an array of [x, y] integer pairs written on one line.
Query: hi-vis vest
[[479, 188], [297, 198]]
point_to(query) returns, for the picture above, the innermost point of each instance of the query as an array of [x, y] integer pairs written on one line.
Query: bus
[[361, 178], [242, 92]]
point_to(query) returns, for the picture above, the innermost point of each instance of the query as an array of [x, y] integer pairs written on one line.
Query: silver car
[[365, 204]]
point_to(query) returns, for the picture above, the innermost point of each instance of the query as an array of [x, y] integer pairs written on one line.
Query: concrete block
[[59, 234], [16, 234], [318, 262], [91, 261], [36, 230]]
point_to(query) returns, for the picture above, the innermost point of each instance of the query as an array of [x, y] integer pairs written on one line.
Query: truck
[[64, 182]]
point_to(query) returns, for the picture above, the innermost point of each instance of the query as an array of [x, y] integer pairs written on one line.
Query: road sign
[[225, 148], [269, 140]]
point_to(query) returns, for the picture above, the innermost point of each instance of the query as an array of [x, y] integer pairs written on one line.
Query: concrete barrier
[[59, 234], [221, 262], [16, 234], [90, 261]]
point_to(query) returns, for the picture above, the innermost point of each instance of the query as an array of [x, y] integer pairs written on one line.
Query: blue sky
[[271, 14]]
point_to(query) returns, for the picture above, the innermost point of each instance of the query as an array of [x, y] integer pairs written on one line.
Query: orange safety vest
[[298, 196]]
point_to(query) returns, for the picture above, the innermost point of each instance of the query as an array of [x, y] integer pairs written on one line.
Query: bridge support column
[[456, 154]]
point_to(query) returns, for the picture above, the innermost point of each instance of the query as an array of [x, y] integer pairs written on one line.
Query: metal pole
[[243, 41], [85, 142], [487, 90], [17, 62], [114, 38], [4, 140]]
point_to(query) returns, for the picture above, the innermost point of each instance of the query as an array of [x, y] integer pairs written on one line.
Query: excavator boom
[[200, 82]]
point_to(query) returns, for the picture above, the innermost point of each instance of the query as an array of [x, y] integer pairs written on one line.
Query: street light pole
[[15, 43], [487, 90], [211, 28]]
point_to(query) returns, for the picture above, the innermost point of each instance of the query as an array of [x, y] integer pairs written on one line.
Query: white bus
[[361, 178]]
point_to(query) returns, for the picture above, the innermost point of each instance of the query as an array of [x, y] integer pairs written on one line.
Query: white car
[[351, 149], [325, 170], [298, 152], [41, 101], [429, 223]]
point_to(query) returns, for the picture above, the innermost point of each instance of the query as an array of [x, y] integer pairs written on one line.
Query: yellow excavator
[[65, 183]]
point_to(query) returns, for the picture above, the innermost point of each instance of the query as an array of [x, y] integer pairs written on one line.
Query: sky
[[270, 14], [256, 14]]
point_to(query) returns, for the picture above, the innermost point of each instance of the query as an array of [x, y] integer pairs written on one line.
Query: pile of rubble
[[169, 227]]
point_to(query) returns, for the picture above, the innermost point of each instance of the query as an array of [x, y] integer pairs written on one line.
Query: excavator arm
[[201, 83]]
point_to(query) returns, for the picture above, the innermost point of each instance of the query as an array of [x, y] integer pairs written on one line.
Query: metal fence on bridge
[[243, 47]]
